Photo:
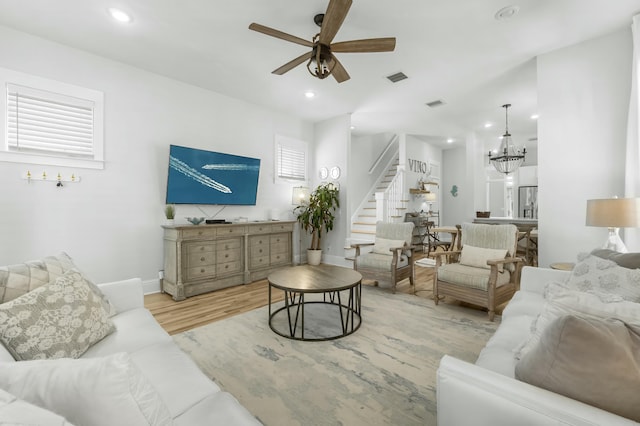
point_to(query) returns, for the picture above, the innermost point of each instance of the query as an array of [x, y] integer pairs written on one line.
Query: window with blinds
[[50, 122], [291, 163]]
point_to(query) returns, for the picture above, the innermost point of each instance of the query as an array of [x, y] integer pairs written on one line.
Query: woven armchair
[[391, 258], [485, 271]]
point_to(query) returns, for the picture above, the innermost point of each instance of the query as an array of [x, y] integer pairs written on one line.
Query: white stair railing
[[390, 202]]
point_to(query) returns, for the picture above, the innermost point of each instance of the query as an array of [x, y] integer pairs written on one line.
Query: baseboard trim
[[151, 286]]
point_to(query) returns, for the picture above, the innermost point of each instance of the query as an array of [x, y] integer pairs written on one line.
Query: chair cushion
[[380, 261], [478, 256], [383, 246], [470, 276]]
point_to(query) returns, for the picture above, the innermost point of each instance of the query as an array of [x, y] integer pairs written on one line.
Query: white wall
[[418, 149], [332, 148], [110, 222], [583, 99], [454, 207]]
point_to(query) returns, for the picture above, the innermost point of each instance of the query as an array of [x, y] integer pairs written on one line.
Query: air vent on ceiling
[[394, 78], [434, 104]]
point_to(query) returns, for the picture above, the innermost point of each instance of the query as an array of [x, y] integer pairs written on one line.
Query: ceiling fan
[[321, 59]]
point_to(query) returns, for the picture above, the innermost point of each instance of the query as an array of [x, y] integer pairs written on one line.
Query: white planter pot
[[314, 256]]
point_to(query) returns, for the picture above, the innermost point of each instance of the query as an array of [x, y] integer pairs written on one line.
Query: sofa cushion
[[470, 276], [174, 375], [605, 278], [220, 409], [60, 319], [561, 301], [17, 412], [591, 360], [100, 391], [384, 245], [478, 256]]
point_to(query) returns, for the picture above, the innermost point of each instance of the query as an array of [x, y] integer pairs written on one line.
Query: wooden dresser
[[203, 258]]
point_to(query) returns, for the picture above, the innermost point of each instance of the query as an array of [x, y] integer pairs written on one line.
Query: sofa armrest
[[535, 279], [124, 295], [493, 399]]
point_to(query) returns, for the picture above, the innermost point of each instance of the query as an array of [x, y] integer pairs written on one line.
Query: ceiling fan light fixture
[[321, 64]]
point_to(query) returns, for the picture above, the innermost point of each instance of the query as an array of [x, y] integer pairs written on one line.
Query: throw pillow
[[605, 278], [561, 301], [14, 411], [590, 360], [94, 391], [60, 319], [19, 279], [626, 260], [478, 256], [383, 245]]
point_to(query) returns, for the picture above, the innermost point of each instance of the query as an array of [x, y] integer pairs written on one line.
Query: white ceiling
[[451, 50]]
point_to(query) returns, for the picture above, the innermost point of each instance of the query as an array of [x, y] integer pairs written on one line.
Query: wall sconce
[[614, 213], [300, 195]]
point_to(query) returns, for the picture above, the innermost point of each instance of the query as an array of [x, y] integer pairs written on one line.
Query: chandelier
[[508, 158]]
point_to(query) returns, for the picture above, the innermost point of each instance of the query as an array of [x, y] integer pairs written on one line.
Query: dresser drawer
[[259, 261], [198, 272], [259, 250], [230, 244], [231, 230], [223, 256], [263, 228], [229, 268], [279, 242], [198, 233], [278, 258], [197, 248], [201, 259], [259, 241], [281, 227]]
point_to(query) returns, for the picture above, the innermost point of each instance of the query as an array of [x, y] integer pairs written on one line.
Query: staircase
[[363, 224]]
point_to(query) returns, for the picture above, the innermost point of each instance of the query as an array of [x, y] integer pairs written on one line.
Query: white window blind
[[291, 163], [43, 122]]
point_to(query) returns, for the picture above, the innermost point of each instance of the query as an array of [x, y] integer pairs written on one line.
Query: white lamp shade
[[300, 195], [614, 212], [430, 196]]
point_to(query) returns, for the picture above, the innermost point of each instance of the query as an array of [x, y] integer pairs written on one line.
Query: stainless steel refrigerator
[[528, 202]]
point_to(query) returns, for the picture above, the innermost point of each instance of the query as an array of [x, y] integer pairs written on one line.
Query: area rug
[[383, 374]]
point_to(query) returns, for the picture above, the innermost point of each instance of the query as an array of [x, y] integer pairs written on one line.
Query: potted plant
[[317, 216], [170, 213]]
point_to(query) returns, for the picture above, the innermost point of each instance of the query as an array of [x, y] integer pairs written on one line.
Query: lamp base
[[614, 242]]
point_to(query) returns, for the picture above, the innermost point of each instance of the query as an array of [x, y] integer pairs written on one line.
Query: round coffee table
[[331, 316]]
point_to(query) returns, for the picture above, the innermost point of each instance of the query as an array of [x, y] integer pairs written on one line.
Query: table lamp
[[614, 213]]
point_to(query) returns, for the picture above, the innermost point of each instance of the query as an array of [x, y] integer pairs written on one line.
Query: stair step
[[353, 231], [369, 208]]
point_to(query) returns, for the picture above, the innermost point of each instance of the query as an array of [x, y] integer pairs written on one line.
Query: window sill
[[47, 160]]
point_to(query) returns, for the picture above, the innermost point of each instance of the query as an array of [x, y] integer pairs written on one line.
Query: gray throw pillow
[[590, 360], [605, 278], [61, 319], [626, 260]]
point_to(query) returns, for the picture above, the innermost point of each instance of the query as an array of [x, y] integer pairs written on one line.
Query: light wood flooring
[[176, 317]]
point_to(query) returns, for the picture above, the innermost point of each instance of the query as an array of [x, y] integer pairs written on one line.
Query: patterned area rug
[[383, 374]]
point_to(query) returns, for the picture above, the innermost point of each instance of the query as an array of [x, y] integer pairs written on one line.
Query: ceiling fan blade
[[333, 18], [292, 64], [339, 73], [279, 34], [367, 45]]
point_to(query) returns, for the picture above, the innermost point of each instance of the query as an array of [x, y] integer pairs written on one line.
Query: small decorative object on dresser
[[169, 213], [195, 220]]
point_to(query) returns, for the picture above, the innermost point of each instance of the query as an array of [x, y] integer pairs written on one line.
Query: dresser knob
[[202, 270], [226, 255], [226, 266], [200, 233], [201, 248], [202, 259]]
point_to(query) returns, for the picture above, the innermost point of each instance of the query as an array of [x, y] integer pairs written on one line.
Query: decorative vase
[[169, 222], [314, 256]]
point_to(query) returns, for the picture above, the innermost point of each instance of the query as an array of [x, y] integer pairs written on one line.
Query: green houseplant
[[170, 213], [317, 216]]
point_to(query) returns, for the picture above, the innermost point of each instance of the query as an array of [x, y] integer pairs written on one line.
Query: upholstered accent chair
[[485, 271], [391, 257]]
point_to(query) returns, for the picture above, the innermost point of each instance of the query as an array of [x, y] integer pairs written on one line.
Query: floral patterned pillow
[[61, 319], [605, 278]]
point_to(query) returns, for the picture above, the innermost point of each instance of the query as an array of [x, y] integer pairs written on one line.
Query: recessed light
[[506, 13], [535, 116], [119, 15], [309, 94], [353, 127], [450, 140], [487, 125]]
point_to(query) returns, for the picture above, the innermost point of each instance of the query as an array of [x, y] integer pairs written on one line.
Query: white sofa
[[191, 398], [486, 393]]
